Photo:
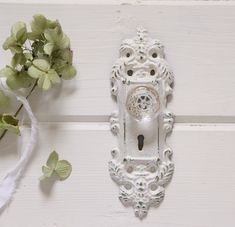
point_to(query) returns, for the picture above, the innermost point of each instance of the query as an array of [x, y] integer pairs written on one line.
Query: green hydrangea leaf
[[57, 37], [47, 79], [63, 42], [9, 119], [44, 82], [53, 24], [28, 56], [63, 169], [19, 32], [63, 57], [7, 71], [38, 25], [35, 72], [4, 101], [58, 65], [47, 172], [48, 48], [53, 76], [46, 76], [42, 64], [53, 160], [18, 59], [10, 41], [27, 64], [67, 56], [32, 36], [62, 60], [16, 80], [37, 46], [17, 38], [26, 81], [13, 83], [15, 49], [51, 35], [46, 58], [9, 122], [68, 72]]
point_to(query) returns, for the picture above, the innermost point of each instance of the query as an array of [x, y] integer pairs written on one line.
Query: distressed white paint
[[200, 45], [141, 82]]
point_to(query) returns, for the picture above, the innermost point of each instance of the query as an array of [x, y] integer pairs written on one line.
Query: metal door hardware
[[141, 81]]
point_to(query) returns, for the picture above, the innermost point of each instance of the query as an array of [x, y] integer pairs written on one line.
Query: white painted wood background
[[199, 38]]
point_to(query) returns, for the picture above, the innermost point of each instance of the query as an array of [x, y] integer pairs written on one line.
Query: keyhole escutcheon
[[140, 139]]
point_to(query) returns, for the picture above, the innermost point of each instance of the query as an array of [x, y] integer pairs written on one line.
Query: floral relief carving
[[141, 80]]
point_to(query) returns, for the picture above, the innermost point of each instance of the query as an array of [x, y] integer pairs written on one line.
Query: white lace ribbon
[[9, 182]]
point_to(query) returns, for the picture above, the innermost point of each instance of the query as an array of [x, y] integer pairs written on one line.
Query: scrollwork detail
[[141, 180]]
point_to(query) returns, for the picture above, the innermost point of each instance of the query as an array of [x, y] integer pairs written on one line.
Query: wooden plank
[[199, 43], [122, 2], [201, 193]]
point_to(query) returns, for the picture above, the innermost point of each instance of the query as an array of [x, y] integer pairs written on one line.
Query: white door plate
[[142, 164]]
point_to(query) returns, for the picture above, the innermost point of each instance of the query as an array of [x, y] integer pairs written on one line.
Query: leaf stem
[[20, 107]]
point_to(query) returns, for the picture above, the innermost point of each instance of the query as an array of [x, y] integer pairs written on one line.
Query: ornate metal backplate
[[141, 81]]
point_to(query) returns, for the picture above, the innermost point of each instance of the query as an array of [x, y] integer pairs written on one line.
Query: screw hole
[[154, 55], [130, 72], [152, 72], [128, 55]]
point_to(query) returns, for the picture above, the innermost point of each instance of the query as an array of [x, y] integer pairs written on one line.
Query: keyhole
[[140, 139]]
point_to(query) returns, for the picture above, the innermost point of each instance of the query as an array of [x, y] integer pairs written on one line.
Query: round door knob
[[143, 103]]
